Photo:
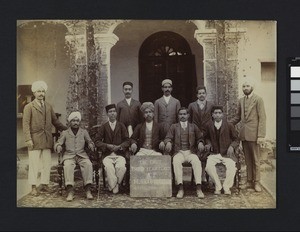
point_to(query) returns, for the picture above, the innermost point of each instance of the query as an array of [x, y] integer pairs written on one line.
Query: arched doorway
[[163, 55]]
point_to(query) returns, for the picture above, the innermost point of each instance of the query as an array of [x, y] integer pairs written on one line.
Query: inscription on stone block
[[150, 176]]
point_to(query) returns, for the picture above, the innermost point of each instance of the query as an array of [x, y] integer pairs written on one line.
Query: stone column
[[77, 98], [103, 44], [220, 46]]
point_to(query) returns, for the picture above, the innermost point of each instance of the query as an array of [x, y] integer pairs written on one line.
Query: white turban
[[39, 85], [166, 81], [147, 105], [248, 80], [74, 115]]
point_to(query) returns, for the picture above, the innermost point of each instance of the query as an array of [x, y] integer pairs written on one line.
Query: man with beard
[[222, 137], [147, 136], [74, 140], [251, 114], [38, 119], [166, 108], [112, 139], [128, 110], [185, 138]]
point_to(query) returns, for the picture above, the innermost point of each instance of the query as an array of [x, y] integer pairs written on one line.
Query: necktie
[[42, 104]]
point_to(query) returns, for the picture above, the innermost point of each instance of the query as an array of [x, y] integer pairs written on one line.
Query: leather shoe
[[200, 194], [44, 188], [180, 194], [116, 189], [89, 195], [217, 192], [34, 191], [227, 192], [247, 185], [70, 196], [257, 187]]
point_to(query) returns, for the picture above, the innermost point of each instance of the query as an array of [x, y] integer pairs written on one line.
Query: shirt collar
[[39, 102], [128, 100], [201, 102], [218, 124], [250, 95], [183, 124]]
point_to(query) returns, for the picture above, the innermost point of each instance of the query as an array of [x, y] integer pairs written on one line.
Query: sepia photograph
[[146, 114]]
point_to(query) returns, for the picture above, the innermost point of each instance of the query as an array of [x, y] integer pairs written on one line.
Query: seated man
[[74, 139], [112, 139], [186, 137], [146, 136], [222, 140]]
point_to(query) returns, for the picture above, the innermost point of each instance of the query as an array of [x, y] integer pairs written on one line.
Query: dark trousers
[[252, 158]]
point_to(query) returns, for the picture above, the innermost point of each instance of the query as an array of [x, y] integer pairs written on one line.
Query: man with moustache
[[112, 139], [222, 138], [74, 140], [166, 107], [128, 110], [185, 138], [200, 114], [146, 138], [38, 119], [251, 114]]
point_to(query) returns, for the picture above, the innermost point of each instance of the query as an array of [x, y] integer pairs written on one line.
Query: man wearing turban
[[147, 137], [112, 139], [166, 107], [38, 119], [251, 113], [74, 140], [128, 110]]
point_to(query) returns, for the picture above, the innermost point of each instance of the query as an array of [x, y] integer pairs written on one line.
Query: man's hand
[[110, 147], [59, 149], [230, 151], [133, 148], [168, 147], [207, 147], [91, 147], [29, 144], [162, 146], [201, 147], [116, 148]]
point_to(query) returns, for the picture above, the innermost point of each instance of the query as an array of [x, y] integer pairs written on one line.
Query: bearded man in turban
[[38, 119], [147, 137], [74, 140]]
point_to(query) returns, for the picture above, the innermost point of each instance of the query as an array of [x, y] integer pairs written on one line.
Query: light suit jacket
[[37, 125], [74, 144], [253, 124], [166, 114]]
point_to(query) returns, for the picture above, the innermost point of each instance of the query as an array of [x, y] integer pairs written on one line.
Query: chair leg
[[103, 176], [96, 170], [61, 176]]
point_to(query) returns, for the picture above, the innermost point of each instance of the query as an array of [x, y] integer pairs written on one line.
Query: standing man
[[38, 118], [200, 114], [222, 138], [251, 114], [128, 110], [185, 138], [112, 139], [147, 136], [166, 107], [74, 140]]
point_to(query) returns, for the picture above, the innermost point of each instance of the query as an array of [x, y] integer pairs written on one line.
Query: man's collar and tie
[[218, 124], [40, 103], [128, 101], [183, 125], [112, 125], [249, 96], [167, 98], [149, 125], [201, 103]]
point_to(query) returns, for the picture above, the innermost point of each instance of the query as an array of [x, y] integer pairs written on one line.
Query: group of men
[[199, 134]]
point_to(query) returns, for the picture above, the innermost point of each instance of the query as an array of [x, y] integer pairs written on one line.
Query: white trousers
[[183, 157], [211, 170], [144, 151], [86, 168], [39, 160], [115, 170]]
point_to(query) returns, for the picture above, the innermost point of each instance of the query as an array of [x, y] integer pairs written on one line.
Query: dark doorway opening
[[164, 55]]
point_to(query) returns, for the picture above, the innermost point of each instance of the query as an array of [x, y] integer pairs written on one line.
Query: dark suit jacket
[[253, 124], [196, 117], [139, 135], [129, 114], [195, 136], [106, 136], [228, 137]]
